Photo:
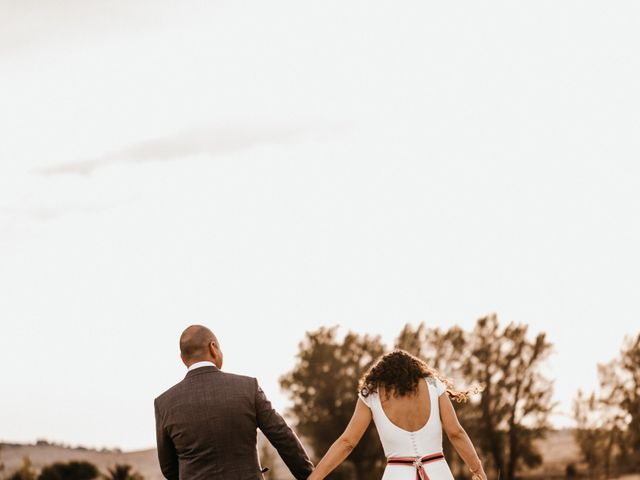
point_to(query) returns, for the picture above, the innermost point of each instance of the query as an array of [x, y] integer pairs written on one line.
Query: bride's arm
[[459, 438], [343, 446]]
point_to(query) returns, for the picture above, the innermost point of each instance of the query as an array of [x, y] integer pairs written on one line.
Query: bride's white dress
[[398, 442]]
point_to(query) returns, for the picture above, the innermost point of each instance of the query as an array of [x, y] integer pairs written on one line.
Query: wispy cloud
[[212, 141]]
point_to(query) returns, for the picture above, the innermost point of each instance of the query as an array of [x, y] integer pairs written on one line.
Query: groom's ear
[[183, 361], [216, 353]]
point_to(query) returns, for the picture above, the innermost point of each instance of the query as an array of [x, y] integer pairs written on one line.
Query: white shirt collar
[[200, 364]]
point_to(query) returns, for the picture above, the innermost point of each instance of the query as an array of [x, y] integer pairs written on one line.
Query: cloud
[[212, 141], [25, 25]]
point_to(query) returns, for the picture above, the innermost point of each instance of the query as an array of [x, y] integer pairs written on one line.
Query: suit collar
[[202, 370], [204, 363]]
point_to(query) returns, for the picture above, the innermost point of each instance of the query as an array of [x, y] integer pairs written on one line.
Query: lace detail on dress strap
[[366, 399], [440, 387]]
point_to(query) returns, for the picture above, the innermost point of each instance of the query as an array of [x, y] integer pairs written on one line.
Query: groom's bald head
[[197, 344]]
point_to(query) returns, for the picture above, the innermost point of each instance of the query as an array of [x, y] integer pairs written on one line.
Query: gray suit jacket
[[206, 428]]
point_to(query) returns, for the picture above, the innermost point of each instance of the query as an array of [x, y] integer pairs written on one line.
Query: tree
[[571, 471], [513, 409], [122, 472], [323, 388], [443, 350], [598, 428], [69, 471], [25, 472], [608, 424], [620, 382], [517, 398]]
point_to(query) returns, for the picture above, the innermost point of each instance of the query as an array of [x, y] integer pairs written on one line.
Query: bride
[[404, 397]]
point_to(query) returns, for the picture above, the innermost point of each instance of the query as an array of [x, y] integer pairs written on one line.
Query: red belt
[[417, 463]]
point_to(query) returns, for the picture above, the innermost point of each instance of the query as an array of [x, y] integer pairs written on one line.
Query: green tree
[[25, 472], [69, 471], [122, 472], [323, 388]]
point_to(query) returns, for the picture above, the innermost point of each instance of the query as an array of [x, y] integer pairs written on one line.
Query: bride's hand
[[478, 473]]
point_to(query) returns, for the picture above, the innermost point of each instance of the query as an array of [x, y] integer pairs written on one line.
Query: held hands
[[478, 473]]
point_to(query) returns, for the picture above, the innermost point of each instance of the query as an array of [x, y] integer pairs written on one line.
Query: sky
[[267, 168]]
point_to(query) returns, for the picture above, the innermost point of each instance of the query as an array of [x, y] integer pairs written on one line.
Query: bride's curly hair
[[399, 373]]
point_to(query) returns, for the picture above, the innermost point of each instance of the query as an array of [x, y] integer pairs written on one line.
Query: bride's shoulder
[[431, 379], [367, 396], [436, 383]]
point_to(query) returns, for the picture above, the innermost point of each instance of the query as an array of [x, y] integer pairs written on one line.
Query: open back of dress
[[400, 443]]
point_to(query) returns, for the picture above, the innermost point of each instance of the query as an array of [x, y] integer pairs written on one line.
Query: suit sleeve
[[166, 450], [282, 437]]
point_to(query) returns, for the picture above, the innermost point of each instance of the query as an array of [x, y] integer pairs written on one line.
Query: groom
[[206, 424]]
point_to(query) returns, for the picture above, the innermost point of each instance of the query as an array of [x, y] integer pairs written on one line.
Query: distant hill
[[558, 450], [143, 461]]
